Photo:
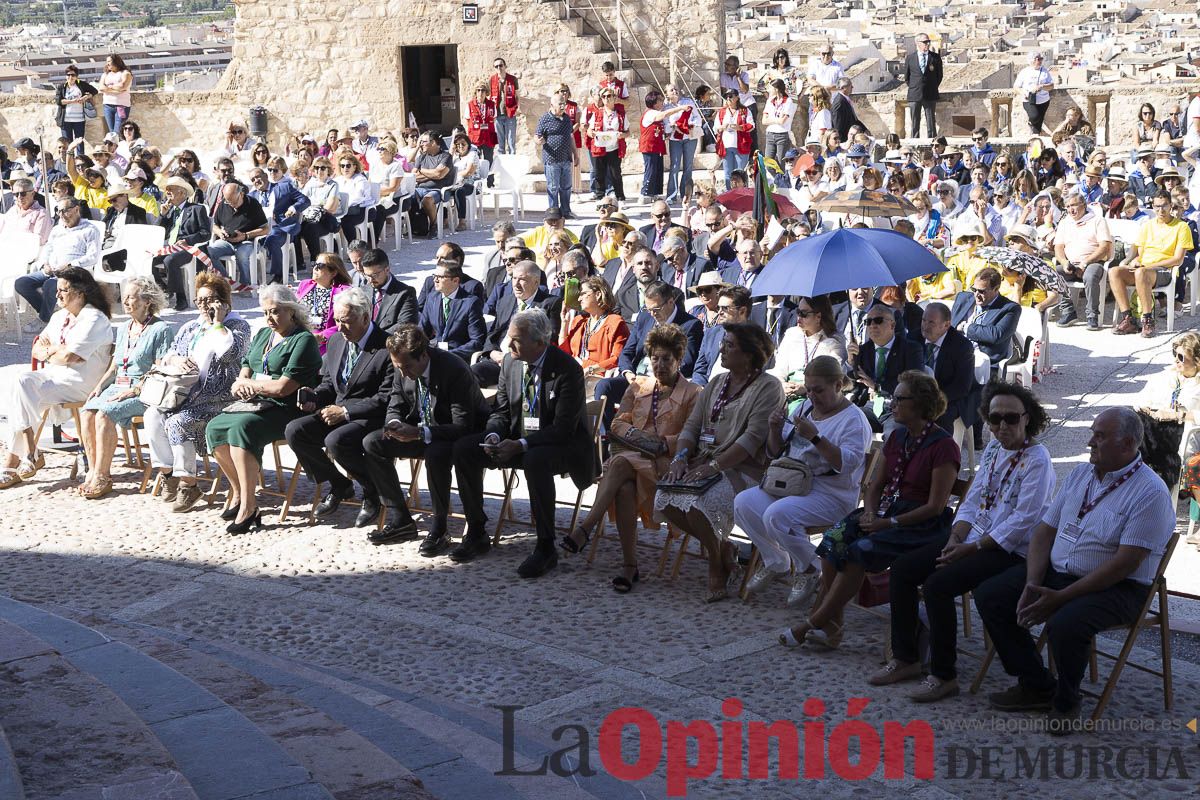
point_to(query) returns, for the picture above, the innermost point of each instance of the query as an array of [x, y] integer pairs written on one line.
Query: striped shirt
[[1137, 514]]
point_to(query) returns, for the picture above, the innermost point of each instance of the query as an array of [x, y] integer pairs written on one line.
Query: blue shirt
[[559, 139]]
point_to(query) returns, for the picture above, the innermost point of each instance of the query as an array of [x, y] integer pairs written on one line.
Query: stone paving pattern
[[565, 648]]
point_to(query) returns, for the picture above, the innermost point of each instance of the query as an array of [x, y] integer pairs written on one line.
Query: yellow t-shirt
[[1157, 242], [146, 202], [1012, 290], [95, 198], [929, 287], [965, 267], [536, 239]]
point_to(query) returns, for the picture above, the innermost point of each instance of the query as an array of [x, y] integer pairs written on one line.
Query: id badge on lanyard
[[708, 437], [531, 423], [1070, 532], [124, 381]]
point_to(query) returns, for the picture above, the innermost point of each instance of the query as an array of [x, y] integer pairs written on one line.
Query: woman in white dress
[[70, 356]]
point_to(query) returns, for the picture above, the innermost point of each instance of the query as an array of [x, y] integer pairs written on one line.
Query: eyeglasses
[[662, 215], [725, 309], [238, 132], [875, 320], [1011, 418], [1151, 113], [979, 290], [606, 207], [805, 314], [274, 169], [209, 300], [321, 169], [25, 193], [977, 139], [826, 53], [896, 398]]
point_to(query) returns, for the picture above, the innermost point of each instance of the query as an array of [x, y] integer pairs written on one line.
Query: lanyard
[[267, 352], [1089, 504], [66, 328], [723, 399], [891, 492], [131, 343], [992, 492]]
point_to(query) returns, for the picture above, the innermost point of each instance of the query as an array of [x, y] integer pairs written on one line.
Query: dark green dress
[[297, 357]]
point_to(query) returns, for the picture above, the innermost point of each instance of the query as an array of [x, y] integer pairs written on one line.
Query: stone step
[[193, 725], [70, 735]]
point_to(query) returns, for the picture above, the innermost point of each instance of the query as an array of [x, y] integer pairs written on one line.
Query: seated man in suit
[[526, 293], [187, 224], [451, 253], [285, 204], [495, 265], [774, 315], [452, 318], [393, 302], [951, 356], [661, 308], [514, 254], [356, 377], [877, 363], [680, 267], [435, 401], [748, 267], [988, 318], [631, 295], [850, 317], [539, 426], [733, 305]]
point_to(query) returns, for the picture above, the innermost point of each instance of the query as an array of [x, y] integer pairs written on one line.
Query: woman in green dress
[[283, 357]]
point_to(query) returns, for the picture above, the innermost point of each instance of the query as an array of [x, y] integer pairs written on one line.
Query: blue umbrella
[[845, 259]]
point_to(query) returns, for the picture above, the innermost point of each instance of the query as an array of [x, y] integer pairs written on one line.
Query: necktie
[[352, 352], [881, 355], [445, 309], [930, 353], [924, 60], [378, 302], [658, 236], [772, 319], [522, 305], [857, 325], [423, 400], [528, 391], [174, 236]]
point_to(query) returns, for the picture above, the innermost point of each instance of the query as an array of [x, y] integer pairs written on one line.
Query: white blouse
[[796, 350]]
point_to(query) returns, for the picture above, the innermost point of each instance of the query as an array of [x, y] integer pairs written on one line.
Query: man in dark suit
[[526, 293], [841, 109], [774, 315], [951, 356], [850, 317], [186, 223], [496, 267], [452, 318], [680, 267], [661, 308], [451, 253], [988, 318], [923, 74], [120, 210], [733, 306], [539, 426], [877, 363], [514, 254], [589, 237], [356, 376], [393, 302], [435, 400], [631, 294]]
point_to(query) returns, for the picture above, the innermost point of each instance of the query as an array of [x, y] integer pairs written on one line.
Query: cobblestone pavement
[[565, 649]]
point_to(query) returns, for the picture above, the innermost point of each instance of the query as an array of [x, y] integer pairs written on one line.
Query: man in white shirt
[[738, 79], [824, 71], [74, 242], [1090, 565], [1082, 246]]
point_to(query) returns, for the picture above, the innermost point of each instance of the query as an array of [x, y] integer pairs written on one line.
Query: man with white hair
[[1090, 565], [26, 214], [538, 426], [349, 403]]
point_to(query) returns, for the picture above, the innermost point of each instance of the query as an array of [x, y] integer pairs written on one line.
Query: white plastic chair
[[365, 230], [508, 170], [138, 242], [329, 242], [20, 250], [447, 212]]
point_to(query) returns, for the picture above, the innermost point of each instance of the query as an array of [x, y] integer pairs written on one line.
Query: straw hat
[[618, 218], [1167, 172], [1025, 233], [176, 182], [968, 230], [710, 278]]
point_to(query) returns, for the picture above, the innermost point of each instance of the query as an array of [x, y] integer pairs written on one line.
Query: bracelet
[[895, 522]]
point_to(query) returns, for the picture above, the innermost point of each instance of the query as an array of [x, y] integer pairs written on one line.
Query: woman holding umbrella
[[1025, 278]]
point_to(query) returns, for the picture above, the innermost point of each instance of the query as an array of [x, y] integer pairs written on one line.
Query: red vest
[[618, 86], [682, 125], [510, 93], [743, 136], [573, 115], [651, 141], [481, 123], [599, 115]]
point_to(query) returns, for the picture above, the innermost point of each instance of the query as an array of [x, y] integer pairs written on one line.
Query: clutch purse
[[689, 487], [246, 406], [634, 441]]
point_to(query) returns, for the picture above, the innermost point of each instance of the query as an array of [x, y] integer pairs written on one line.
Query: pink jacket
[[325, 328]]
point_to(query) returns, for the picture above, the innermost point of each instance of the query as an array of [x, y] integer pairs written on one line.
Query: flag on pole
[[764, 194]]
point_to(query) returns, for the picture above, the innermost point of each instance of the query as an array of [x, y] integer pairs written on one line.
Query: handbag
[[689, 487], [165, 389], [787, 477], [634, 441], [1160, 447]]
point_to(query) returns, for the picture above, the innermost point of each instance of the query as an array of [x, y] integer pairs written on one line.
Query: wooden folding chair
[[1148, 617], [73, 450], [133, 449], [286, 493]]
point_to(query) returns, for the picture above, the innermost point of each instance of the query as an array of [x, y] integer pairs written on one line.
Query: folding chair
[[1148, 617], [286, 493], [75, 450]]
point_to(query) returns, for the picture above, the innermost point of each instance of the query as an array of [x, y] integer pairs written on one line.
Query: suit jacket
[[280, 197], [635, 348], [955, 374], [903, 355], [561, 410], [843, 114], [993, 330], [629, 302], [470, 285], [841, 317], [692, 271], [923, 86], [710, 354], [196, 228], [495, 274], [587, 237], [365, 394], [456, 406], [732, 274], [134, 215], [785, 318], [398, 306], [609, 272], [506, 306], [462, 331]]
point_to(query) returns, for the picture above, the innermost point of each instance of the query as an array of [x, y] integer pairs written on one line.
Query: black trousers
[[310, 438], [1069, 631], [380, 462], [311, 233], [486, 371], [942, 585], [1036, 113], [539, 464], [915, 109], [608, 167], [173, 265]]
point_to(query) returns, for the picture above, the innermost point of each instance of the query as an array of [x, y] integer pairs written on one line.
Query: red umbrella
[[742, 200]]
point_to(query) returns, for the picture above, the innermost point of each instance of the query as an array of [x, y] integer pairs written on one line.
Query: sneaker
[[1126, 325], [189, 495], [804, 586], [1018, 698], [1147, 326], [933, 689], [170, 489], [894, 672], [761, 579], [1093, 322], [1067, 318]]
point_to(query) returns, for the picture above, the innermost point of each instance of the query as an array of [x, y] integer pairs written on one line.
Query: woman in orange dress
[[595, 337], [653, 412]]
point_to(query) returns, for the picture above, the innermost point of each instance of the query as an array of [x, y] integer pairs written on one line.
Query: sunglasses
[[274, 169], [826, 53], [979, 290], [606, 208], [977, 139], [1180, 357], [806, 314], [1011, 418], [24, 194], [238, 132], [321, 169], [345, 164], [662, 215], [875, 320]]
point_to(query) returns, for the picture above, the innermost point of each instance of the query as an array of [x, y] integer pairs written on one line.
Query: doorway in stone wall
[[431, 85]]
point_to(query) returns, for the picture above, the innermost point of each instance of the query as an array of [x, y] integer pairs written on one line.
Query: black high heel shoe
[[568, 543], [230, 512], [253, 523], [623, 585]]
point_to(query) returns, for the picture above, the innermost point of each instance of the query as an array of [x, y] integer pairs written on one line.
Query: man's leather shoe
[[436, 543], [538, 564], [369, 513], [472, 546], [334, 499], [394, 532]]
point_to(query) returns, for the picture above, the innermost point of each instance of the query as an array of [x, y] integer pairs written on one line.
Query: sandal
[[729, 563], [28, 468], [623, 585], [568, 543], [788, 638], [824, 637], [103, 486], [9, 477]]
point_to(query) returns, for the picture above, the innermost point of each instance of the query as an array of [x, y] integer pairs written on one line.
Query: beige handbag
[[166, 389]]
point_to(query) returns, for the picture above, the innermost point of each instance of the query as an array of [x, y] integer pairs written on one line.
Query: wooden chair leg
[[312, 512], [1118, 667], [666, 550], [289, 493], [1093, 667], [683, 545], [983, 668], [1164, 633], [147, 471], [505, 506], [127, 447], [414, 491], [279, 468], [966, 615], [138, 459], [78, 432], [755, 558]]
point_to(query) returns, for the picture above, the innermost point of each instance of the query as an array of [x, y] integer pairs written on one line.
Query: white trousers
[[778, 525], [179, 458], [25, 394]]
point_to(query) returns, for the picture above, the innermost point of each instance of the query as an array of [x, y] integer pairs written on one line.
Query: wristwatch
[[815, 440], [716, 467]]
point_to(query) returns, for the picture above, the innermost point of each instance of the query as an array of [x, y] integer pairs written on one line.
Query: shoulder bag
[[787, 476], [166, 389]]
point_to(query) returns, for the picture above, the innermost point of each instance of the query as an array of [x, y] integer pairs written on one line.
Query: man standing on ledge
[[503, 92], [923, 74]]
